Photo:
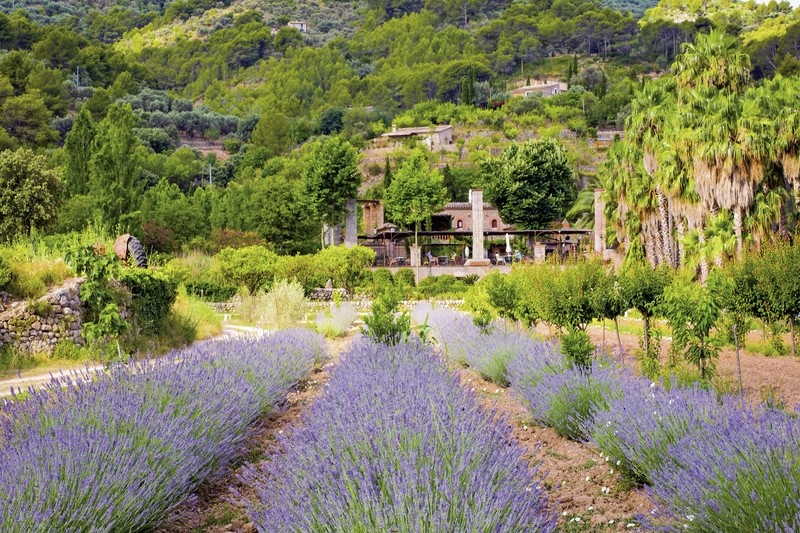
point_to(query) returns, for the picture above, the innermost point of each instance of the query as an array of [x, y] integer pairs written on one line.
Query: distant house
[[460, 214], [431, 136], [606, 138], [543, 88], [301, 25]]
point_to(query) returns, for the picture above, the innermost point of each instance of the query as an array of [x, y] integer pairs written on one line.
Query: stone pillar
[[350, 224], [599, 222], [539, 252], [478, 253]]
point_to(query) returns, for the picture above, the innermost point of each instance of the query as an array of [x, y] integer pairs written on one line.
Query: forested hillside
[[137, 107]]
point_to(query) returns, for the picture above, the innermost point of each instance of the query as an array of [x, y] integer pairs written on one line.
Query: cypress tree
[[79, 147]]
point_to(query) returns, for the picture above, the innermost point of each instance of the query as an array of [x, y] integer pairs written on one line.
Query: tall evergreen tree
[[115, 166], [79, 147]]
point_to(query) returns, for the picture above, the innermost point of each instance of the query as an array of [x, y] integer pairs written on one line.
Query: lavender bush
[[738, 472], [115, 451], [487, 350], [639, 426], [396, 444], [562, 396]]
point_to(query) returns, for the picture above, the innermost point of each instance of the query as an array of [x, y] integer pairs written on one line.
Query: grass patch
[[208, 322], [66, 354]]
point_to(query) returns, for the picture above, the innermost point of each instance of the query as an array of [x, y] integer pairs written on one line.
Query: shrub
[[565, 397], [385, 324], [737, 472], [577, 348], [336, 320], [172, 421], [31, 278], [211, 291], [404, 277], [282, 307], [251, 267], [376, 455], [638, 427], [152, 296], [40, 308], [6, 274], [347, 267], [380, 278]]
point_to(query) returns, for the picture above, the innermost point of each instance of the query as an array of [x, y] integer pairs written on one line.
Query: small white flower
[[473, 389], [690, 518], [497, 391], [564, 513], [587, 478], [525, 428], [590, 508], [528, 489], [630, 525], [653, 384], [280, 432], [611, 471], [619, 463], [610, 522], [484, 389]]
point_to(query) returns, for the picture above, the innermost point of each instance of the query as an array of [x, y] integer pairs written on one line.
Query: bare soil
[[762, 376], [586, 491]]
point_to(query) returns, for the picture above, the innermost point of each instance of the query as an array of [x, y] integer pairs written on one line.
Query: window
[[459, 224], [494, 223]]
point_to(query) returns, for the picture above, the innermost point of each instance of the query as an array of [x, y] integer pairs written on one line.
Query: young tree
[[79, 147], [531, 184], [416, 193], [115, 166], [643, 289], [331, 178], [272, 133], [30, 193]]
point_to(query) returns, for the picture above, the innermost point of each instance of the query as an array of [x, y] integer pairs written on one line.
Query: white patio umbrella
[[508, 244]]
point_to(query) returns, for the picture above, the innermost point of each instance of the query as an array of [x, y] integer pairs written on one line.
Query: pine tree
[[79, 147], [387, 175]]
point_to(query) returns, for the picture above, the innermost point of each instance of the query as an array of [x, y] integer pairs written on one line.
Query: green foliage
[[6, 274], [404, 277], [692, 312], [347, 267], [531, 184], [416, 193], [283, 306], [30, 193], [40, 308], [385, 324], [102, 318], [577, 348], [642, 288], [115, 166], [331, 178], [251, 267], [152, 295]]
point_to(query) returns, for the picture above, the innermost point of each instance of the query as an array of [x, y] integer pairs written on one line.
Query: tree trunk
[[646, 326], [322, 236], [738, 361], [701, 237], [418, 259], [737, 228], [791, 331], [681, 252], [619, 340], [663, 216]]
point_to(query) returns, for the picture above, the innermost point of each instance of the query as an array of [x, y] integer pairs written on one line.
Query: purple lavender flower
[[738, 471], [396, 444], [115, 451]]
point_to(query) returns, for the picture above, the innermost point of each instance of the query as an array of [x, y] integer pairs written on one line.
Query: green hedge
[[211, 291], [152, 296]]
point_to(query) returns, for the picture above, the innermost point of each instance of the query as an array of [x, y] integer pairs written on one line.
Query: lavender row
[[115, 451], [489, 350], [396, 444]]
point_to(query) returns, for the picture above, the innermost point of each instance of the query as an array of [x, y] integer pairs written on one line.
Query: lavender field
[[116, 451], [708, 462]]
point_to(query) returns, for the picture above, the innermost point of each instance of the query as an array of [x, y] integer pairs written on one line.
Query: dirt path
[[212, 509], [761, 376], [583, 487]]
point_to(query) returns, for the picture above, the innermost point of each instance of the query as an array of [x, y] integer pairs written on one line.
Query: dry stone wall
[[40, 325]]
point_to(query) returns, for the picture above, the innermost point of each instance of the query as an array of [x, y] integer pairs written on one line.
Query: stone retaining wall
[[40, 325]]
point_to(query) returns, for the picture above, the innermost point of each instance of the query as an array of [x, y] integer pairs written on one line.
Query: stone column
[[478, 253], [350, 224], [599, 222]]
